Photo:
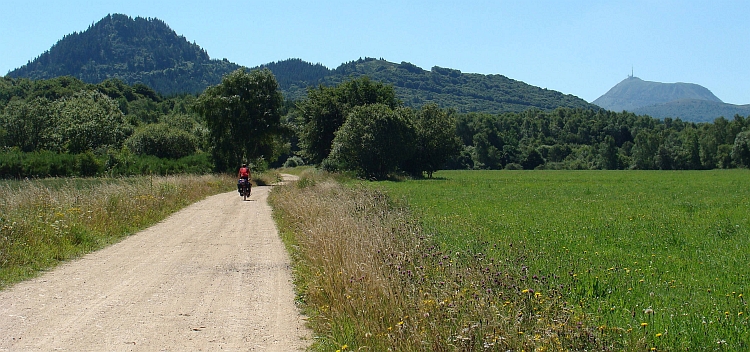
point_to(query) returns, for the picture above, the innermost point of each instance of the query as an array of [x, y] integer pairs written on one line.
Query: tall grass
[[372, 279], [43, 222]]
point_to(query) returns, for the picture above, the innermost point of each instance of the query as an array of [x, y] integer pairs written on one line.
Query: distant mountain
[[633, 93], [694, 110], [449, 88], [687, 101], [139, 50], [133, 50]]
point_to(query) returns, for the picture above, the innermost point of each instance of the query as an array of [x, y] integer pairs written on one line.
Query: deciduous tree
[[325, 109], [436, 140], [243, 117], [374, 140]]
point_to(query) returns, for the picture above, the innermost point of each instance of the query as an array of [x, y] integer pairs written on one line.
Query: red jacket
[[244, 172]]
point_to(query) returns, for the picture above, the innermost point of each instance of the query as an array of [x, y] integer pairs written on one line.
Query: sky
[[582, 48]]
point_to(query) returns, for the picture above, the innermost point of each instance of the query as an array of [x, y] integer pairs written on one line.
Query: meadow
[[47, 221], [656, 257], [523, 260]]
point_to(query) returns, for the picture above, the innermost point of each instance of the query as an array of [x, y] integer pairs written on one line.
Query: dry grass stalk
[[371, 279]]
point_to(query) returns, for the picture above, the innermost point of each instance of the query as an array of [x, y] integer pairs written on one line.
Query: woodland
[[65, 127], [129, 96]]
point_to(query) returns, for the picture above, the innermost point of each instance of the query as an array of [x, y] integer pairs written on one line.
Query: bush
[[513, 166], [17, 164], [162, 141], [87, 165], [294, 161]]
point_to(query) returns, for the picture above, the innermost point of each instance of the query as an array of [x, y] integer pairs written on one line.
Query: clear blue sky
[[576, 47]]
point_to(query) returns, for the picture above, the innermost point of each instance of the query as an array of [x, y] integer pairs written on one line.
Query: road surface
[[214, 276]]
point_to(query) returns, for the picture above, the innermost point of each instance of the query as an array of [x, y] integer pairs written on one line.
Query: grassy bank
[[372, 279], [44, 222], [655, 260]]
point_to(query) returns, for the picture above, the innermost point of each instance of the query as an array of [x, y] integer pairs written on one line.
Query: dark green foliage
[[532, 159], [447, 88], [133, 50], [590, 139], [295, 75], [325, 110], [243, 117], [294, 161], [741, 149], [17, 164], [87, 121], [147, 51], [87, 165], [374, 140], [435, 140], [125, 164], [92, 120], [163, 141], [28, 126]]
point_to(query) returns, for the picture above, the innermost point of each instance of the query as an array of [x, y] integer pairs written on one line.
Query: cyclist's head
[[244, 165]]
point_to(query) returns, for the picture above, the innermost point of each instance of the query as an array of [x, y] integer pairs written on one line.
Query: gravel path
[[214, 276]]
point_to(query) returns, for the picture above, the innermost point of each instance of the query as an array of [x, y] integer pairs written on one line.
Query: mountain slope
[[633, 93], [147, 51], [446, 87], [693, 110], [686, 101], [133, 50]]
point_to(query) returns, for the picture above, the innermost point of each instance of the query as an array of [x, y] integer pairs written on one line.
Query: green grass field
[[656, 259]]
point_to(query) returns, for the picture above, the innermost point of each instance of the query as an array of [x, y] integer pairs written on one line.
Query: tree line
[[47, 127], [358, 125], [567, 138]]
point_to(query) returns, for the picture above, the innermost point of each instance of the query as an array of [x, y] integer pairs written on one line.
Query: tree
[[325, 110], [532, 159], [27, 125], [374, 140], [741, 149], [88, 120], [645, 149], [243, 117], [436, 140], [609, 156]]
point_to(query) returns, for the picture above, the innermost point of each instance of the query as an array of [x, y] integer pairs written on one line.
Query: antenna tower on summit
[[631, 72]]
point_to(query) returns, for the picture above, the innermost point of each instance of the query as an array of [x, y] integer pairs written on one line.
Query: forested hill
[[449, 88], [135, 50], [147, 51]]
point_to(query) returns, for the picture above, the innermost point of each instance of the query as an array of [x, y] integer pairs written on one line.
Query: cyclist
[[243, 174]]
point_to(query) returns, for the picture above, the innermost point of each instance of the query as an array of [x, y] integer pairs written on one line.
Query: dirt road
[[214, 276]]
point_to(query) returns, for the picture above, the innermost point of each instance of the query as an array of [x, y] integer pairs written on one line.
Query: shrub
[[294, 161], [162, 141], [513, 166]]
